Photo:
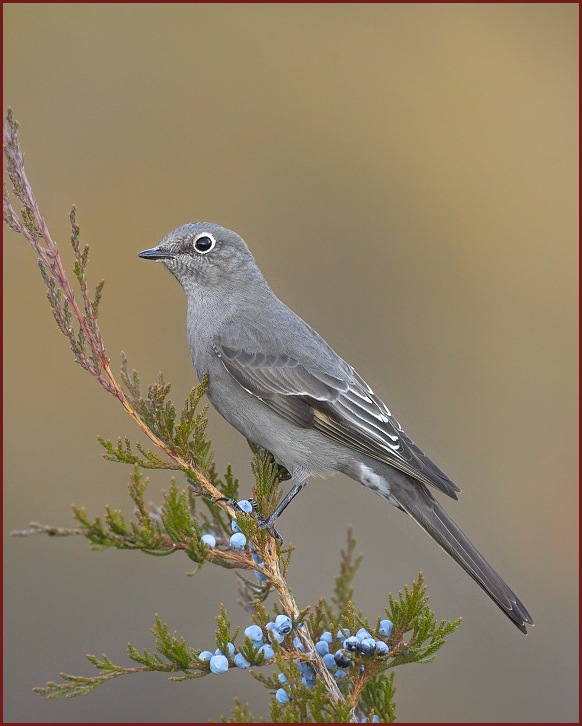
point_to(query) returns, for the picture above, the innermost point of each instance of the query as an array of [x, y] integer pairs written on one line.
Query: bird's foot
[[267, 523], [236, 506]]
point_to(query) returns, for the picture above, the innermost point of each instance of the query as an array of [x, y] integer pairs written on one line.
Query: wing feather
[[343, 408]]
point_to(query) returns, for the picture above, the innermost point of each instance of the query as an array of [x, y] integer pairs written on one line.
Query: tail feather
[[415, 499]]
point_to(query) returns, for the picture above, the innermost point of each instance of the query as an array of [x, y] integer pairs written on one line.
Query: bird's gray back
[[257, 321]]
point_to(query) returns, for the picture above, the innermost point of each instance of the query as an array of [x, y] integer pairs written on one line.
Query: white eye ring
[[204, 242]]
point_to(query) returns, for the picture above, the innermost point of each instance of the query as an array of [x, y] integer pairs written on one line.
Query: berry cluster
[[362, 642], [337, 660], [238, 540], [221, 660]]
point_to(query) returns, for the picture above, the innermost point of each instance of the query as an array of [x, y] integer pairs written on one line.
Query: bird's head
[[202, 254]]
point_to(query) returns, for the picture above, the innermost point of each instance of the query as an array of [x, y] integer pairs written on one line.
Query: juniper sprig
[[201, 518]]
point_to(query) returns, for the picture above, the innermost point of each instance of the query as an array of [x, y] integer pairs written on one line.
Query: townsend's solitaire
[[280, 384]]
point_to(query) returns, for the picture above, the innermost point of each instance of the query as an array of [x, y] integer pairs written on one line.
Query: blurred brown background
[[406, 176]]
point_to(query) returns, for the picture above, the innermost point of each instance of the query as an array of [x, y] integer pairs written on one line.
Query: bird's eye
[[204, 243]]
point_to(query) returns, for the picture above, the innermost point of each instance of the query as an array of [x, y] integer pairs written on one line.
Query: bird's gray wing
[[342, 407]]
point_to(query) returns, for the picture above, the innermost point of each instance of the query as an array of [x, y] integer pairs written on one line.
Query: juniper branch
[[173, 527], [89, 350]]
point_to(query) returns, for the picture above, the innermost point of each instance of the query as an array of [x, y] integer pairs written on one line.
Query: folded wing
[[344, 408]]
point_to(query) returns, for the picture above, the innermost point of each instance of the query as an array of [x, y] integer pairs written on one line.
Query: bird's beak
[[155, 253]]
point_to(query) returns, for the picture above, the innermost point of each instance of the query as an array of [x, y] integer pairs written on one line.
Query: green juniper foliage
[[326, 663]]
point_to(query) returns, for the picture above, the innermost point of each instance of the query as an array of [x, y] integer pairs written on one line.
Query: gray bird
[[281, 385]]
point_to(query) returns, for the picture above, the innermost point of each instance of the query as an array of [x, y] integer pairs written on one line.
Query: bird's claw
[[267, 523], [235, 505]]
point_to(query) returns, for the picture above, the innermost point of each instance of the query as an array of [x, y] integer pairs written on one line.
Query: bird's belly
[[293, 446]]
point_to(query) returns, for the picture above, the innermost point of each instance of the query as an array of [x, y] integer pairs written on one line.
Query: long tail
[[415, 499]]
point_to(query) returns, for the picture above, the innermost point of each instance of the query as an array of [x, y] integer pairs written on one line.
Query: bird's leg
[[300, 481], [269, 522], [283, 504]]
